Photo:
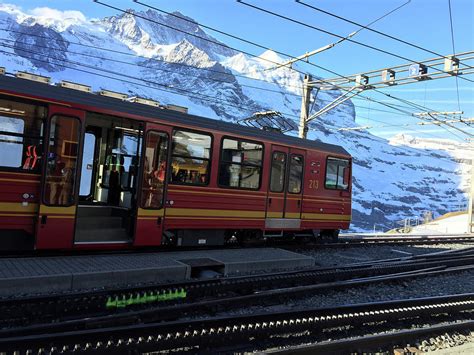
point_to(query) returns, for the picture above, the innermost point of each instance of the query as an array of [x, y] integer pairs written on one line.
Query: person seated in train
[[193, 177], [181, 176]]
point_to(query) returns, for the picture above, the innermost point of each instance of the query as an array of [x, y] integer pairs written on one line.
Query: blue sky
[[423, 22]]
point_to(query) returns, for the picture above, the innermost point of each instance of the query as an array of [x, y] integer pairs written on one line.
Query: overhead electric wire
[[147, 58], [211, 28], [333, 34], [428, 120], [377, 109], [161, 87], [374, 30], [209, 40], [173, 90], [423, 108], [212, 41], [188, 33], [404, 125], [148, 67], [452, 41], [127, 53], [211, 98], [252, 42], [203, 38]]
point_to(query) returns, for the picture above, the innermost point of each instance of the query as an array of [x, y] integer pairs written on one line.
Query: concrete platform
[[49, 274], [248, 261]]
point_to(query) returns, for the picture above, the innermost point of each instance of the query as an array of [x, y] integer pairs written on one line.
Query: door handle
[[298, 203], [269, 201], [44, 218]]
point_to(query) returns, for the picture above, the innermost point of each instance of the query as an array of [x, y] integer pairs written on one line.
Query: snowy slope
[[454, 223], [392, 179]]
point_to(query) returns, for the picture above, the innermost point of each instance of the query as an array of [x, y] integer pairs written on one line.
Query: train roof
[[53, 92]]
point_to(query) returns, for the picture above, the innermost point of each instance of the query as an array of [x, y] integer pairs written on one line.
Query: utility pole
[[303, 127]]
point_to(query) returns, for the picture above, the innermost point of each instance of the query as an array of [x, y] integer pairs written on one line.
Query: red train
[[81, 171]]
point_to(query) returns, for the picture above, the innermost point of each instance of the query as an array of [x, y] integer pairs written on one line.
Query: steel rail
[[220, 330], [374, 342]]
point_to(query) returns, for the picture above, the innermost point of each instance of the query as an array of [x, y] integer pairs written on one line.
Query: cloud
[[57, 15]]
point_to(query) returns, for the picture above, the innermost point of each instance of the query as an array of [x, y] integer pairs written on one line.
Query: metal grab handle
[[269, 201]]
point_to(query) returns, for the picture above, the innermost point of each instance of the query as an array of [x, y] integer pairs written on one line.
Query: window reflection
[[240, 164], [21, 131], [335, 170], [277, 178], [190, 158], [62, 161], [296, 174], [154, 174]]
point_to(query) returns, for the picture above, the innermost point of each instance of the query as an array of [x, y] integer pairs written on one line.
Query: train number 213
[[313, 184]]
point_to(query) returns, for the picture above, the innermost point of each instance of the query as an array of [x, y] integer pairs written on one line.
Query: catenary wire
[[167, 70], [128, 81], [333, 34], [207, 39], [188, 33], [144, 57], [129, 54], [161, 87], [215, 42], [145, 66], [252, 42], [374, 30], [285, 113]]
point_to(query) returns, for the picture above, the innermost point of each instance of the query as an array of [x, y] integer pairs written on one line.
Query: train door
[[109, 180], [59, 188], [152, 195], [276, 187], [294, 185]]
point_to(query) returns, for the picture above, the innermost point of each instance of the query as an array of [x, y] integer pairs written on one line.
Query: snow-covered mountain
[[392, 179]]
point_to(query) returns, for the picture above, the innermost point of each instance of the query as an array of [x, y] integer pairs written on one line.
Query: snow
[[454, 224]]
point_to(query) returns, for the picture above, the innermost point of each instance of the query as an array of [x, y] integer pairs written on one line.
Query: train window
[[335, 171], [154, 172], [85, 187], [61, 167], [241, 164], [190, 158], [296, 174], [277, 177], [21, 130]]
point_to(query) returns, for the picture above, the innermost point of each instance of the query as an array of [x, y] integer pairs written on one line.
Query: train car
[[82, 170]]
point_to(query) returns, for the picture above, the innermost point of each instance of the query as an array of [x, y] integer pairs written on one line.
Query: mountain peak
[[270, 58], [186, 52]]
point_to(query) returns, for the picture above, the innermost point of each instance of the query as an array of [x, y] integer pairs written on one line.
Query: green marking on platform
[[130, 300]]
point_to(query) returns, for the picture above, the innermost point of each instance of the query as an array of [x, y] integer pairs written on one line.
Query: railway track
[[343, 241], [240, 331], [373, 343], [405, 239], [29, 315]]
